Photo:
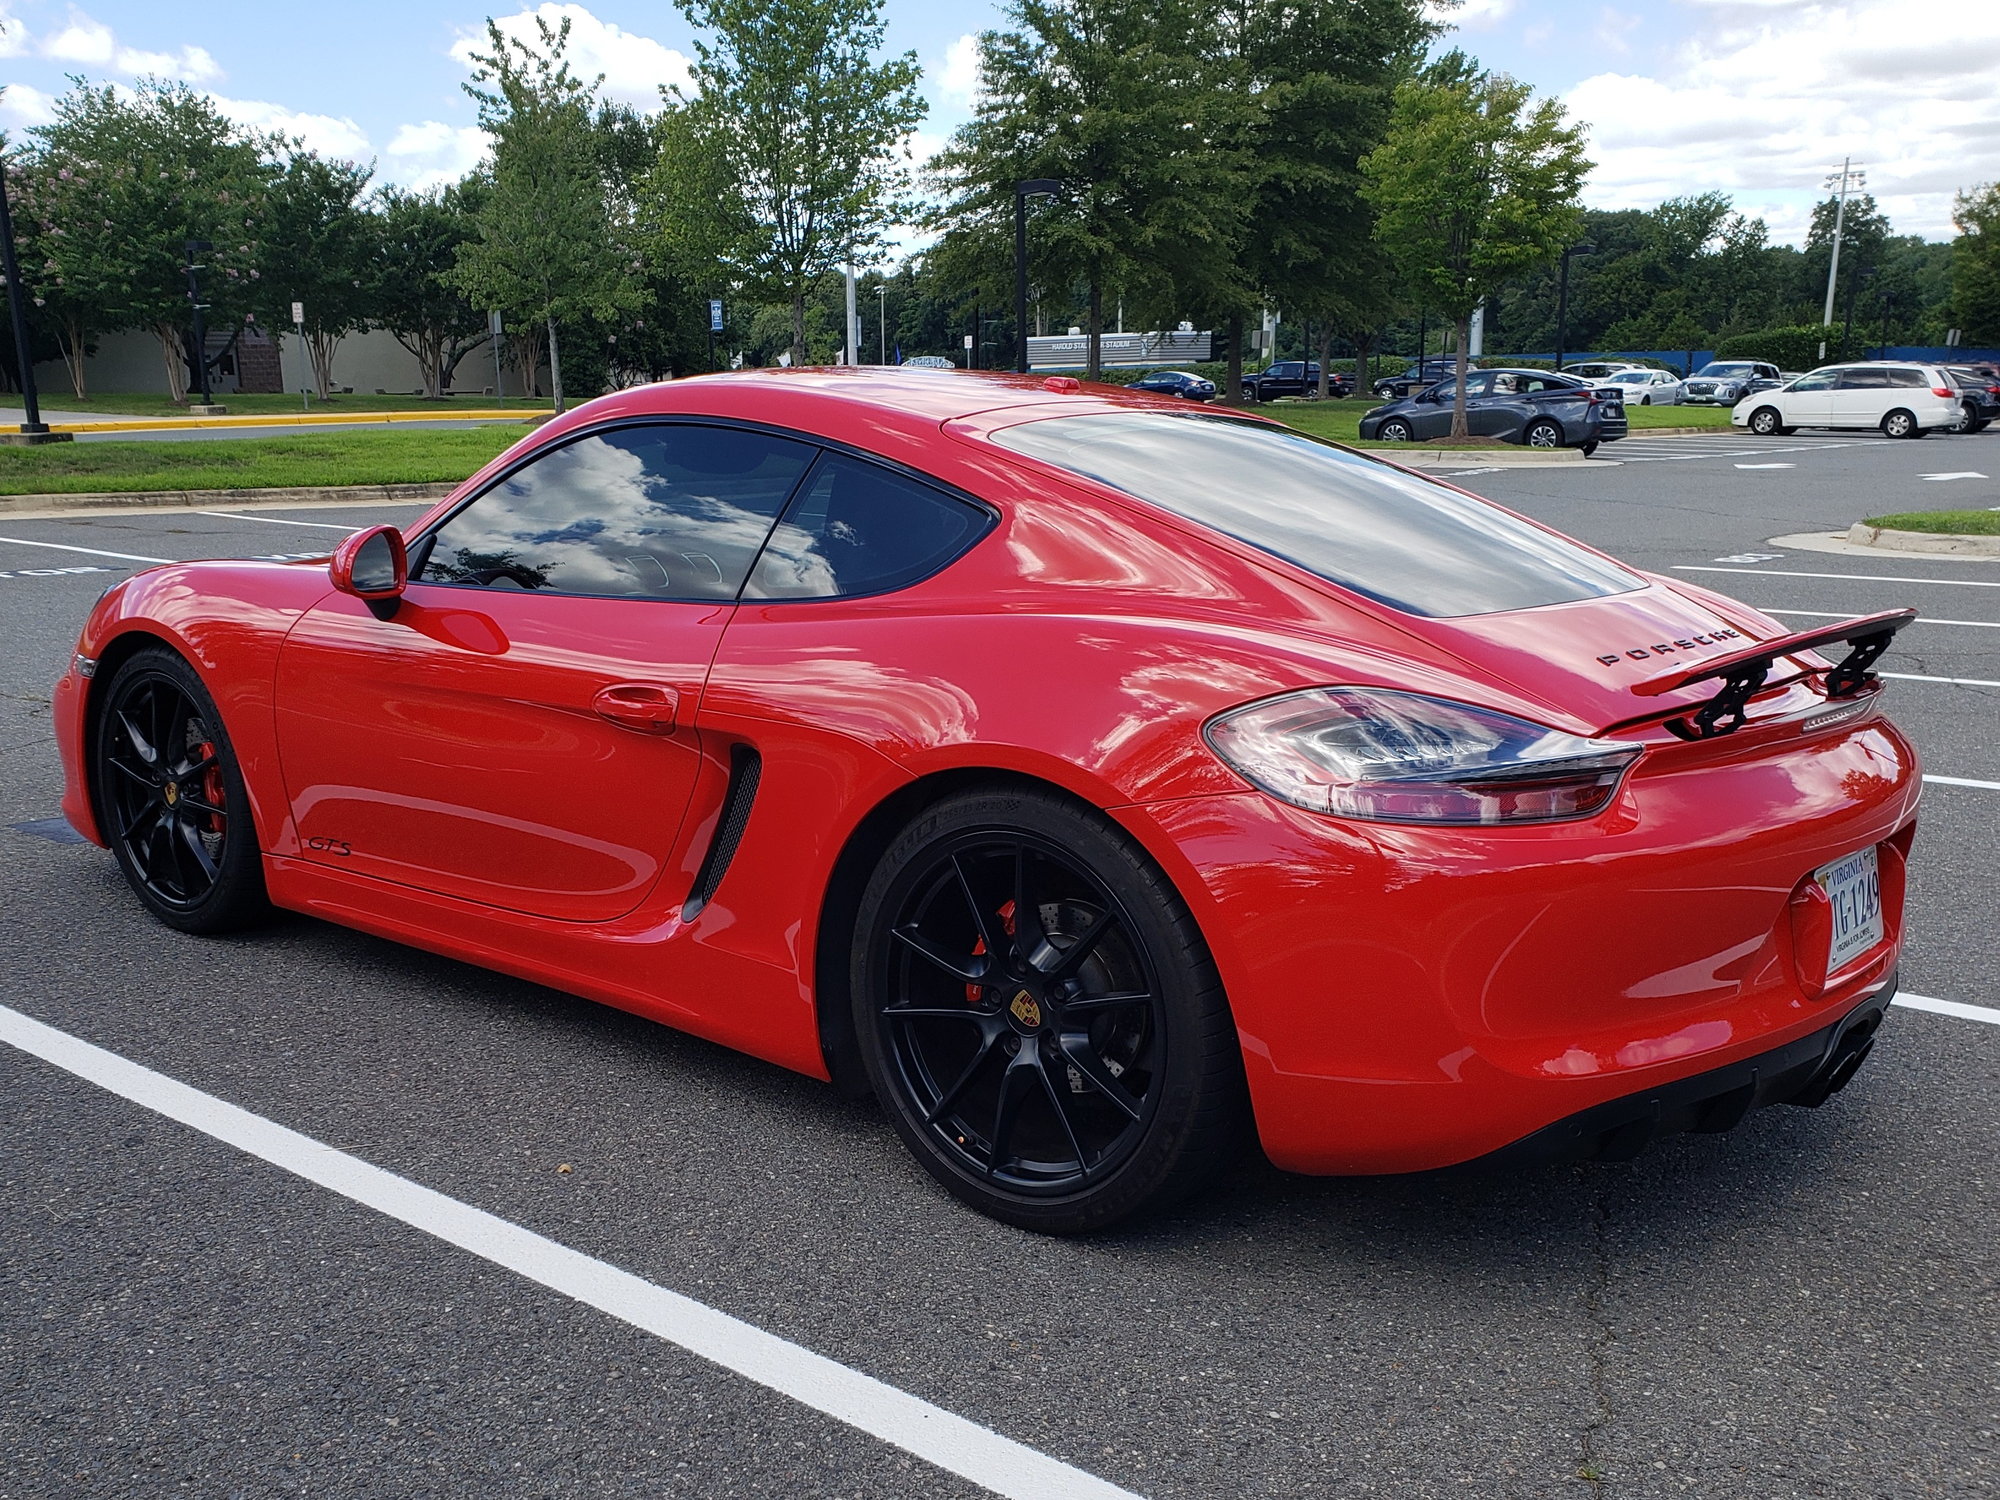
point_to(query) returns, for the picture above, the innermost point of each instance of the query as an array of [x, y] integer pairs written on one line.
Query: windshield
[[1415, 546], [1727, 369]]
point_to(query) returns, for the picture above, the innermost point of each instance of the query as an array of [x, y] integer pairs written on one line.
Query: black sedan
[[1423, 373], [1175, 383], [1533, 407], [1979, 397]]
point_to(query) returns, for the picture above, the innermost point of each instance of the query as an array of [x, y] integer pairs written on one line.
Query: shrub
[[1787, 348]]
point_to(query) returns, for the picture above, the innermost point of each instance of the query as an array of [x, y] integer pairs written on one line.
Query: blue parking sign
[[715, 315]]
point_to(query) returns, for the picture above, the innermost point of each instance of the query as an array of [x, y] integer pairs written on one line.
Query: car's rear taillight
[[1394, 757], [1943, 390]]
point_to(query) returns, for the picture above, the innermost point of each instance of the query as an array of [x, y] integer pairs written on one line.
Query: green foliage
[[1474, 184], [318, 249], [169, 168], [414, 291], [1124, 103], [1975, 264], [549, 248], [1980, 522], [788, 167], [332, 458], [1794, 348]]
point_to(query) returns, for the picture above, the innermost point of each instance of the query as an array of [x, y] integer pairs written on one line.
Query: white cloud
[[958, 77], [13, 35], [23, 104], [635, 67], [1768, 95], [327, 134], [91, 42], [431, 154], [1476, 14]]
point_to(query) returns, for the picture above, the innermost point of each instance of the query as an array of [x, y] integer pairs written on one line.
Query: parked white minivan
[[1901, 400]]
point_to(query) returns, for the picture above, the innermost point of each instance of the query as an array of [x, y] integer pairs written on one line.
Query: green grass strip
[[1948, 522], [428, 456]]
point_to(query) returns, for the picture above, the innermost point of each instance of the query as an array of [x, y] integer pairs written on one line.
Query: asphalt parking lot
[[1808, 1306]]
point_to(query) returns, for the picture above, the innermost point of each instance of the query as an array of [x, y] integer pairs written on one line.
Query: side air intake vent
[[745, 766]]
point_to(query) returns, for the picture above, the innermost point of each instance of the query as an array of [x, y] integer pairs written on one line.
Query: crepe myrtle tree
[[73, 252], [412, 287], [1975, 263], [174, 169], [318, 250], [1474, 184], [807, 122], [548, 248]]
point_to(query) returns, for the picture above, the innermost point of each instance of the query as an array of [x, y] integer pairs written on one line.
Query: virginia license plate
[[1853, 889]]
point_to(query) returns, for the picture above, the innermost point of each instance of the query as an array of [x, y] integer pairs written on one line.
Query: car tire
[[1249, 393], [1768, 421], [170, 800], [1395, 430], [1061, 1073], [1968, 418], [1645, 400], [1982, 424], [1589, 448], [1901, 424], [1542, 433]]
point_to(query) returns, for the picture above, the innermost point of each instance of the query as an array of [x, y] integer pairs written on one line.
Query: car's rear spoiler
[[1743, 672]]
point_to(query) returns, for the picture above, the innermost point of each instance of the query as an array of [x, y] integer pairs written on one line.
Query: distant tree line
[[1215, 160]]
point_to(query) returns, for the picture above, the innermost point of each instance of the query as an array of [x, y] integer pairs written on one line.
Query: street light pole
[[1562, 297], [34, 430], [882, 310], [194, 248], [1849, 176], [1033, 187]]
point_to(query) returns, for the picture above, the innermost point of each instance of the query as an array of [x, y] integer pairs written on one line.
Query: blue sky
[[1757, 98]]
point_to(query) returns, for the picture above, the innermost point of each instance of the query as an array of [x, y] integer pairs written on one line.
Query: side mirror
[[373, 566]]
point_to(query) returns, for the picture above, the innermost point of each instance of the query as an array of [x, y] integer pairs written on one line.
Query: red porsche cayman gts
[[1089, 777]]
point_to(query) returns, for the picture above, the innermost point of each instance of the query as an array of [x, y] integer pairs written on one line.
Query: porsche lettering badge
[[1025, 1010]]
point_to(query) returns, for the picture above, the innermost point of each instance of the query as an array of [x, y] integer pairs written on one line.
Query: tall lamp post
[[34, 430], [882, 312], [1033, 187], [1562, 297], [194, 248]]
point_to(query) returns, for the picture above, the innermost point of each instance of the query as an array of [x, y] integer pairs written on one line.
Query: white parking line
[[1841, 614], [1957, 1008], [21, 541], [1984, 786], [1954, 681], [237, 515], [1964, 583], [933, 1434]]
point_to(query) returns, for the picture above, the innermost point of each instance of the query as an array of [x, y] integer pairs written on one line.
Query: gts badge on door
[[338, 847]]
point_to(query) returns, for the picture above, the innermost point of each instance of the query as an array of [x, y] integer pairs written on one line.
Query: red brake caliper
[[211, 784], [979, 948]]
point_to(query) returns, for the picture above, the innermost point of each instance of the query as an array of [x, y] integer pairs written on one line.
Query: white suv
[[1902, 400]]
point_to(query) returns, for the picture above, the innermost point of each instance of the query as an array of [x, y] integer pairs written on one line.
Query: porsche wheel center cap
[[171, 793], [1026, 1013]]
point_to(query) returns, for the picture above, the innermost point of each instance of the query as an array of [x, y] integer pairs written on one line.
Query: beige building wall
[[366, 362]]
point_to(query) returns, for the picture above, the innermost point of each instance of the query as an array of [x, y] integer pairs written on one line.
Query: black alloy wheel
[[1543, 433], [1040, 1017], [1395, 430], [169, 798]]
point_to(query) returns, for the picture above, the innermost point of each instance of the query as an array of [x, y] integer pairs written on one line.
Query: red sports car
[[1089, 776]]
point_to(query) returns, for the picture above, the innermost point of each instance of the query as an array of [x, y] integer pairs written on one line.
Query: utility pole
[[1845, 180], [1562, 297], [853, 324], [882, 312], [34, 430], [1033, 187]]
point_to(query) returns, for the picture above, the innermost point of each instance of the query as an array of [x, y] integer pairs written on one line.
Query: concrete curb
[[1943, 543], [1836, 542], [1421, 457], [353, 494]]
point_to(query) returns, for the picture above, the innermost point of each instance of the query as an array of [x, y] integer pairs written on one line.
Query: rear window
[[1907, 377], [1412, 545]]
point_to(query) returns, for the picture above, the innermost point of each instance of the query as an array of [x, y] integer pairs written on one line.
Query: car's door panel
[[519, 732]]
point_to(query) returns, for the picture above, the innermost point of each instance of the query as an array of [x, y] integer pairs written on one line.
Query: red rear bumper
[[1414, 997]]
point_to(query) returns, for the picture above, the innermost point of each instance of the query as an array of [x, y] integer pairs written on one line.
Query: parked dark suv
[[1292, 377], [1980, 395], [1532, 407], [1425, 372]]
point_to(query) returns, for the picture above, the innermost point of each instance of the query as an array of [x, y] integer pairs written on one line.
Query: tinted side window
[[858, 528], [661, 512], [1859, 380], [1906, 377]]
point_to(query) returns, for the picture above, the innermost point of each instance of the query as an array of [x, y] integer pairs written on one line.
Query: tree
[[176, 170], [806, 124], [318, 250], [413, 290], [1120, 101], [1975, 263], [1322, 78], [1474, 184], [74, 258], [548, 249]]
